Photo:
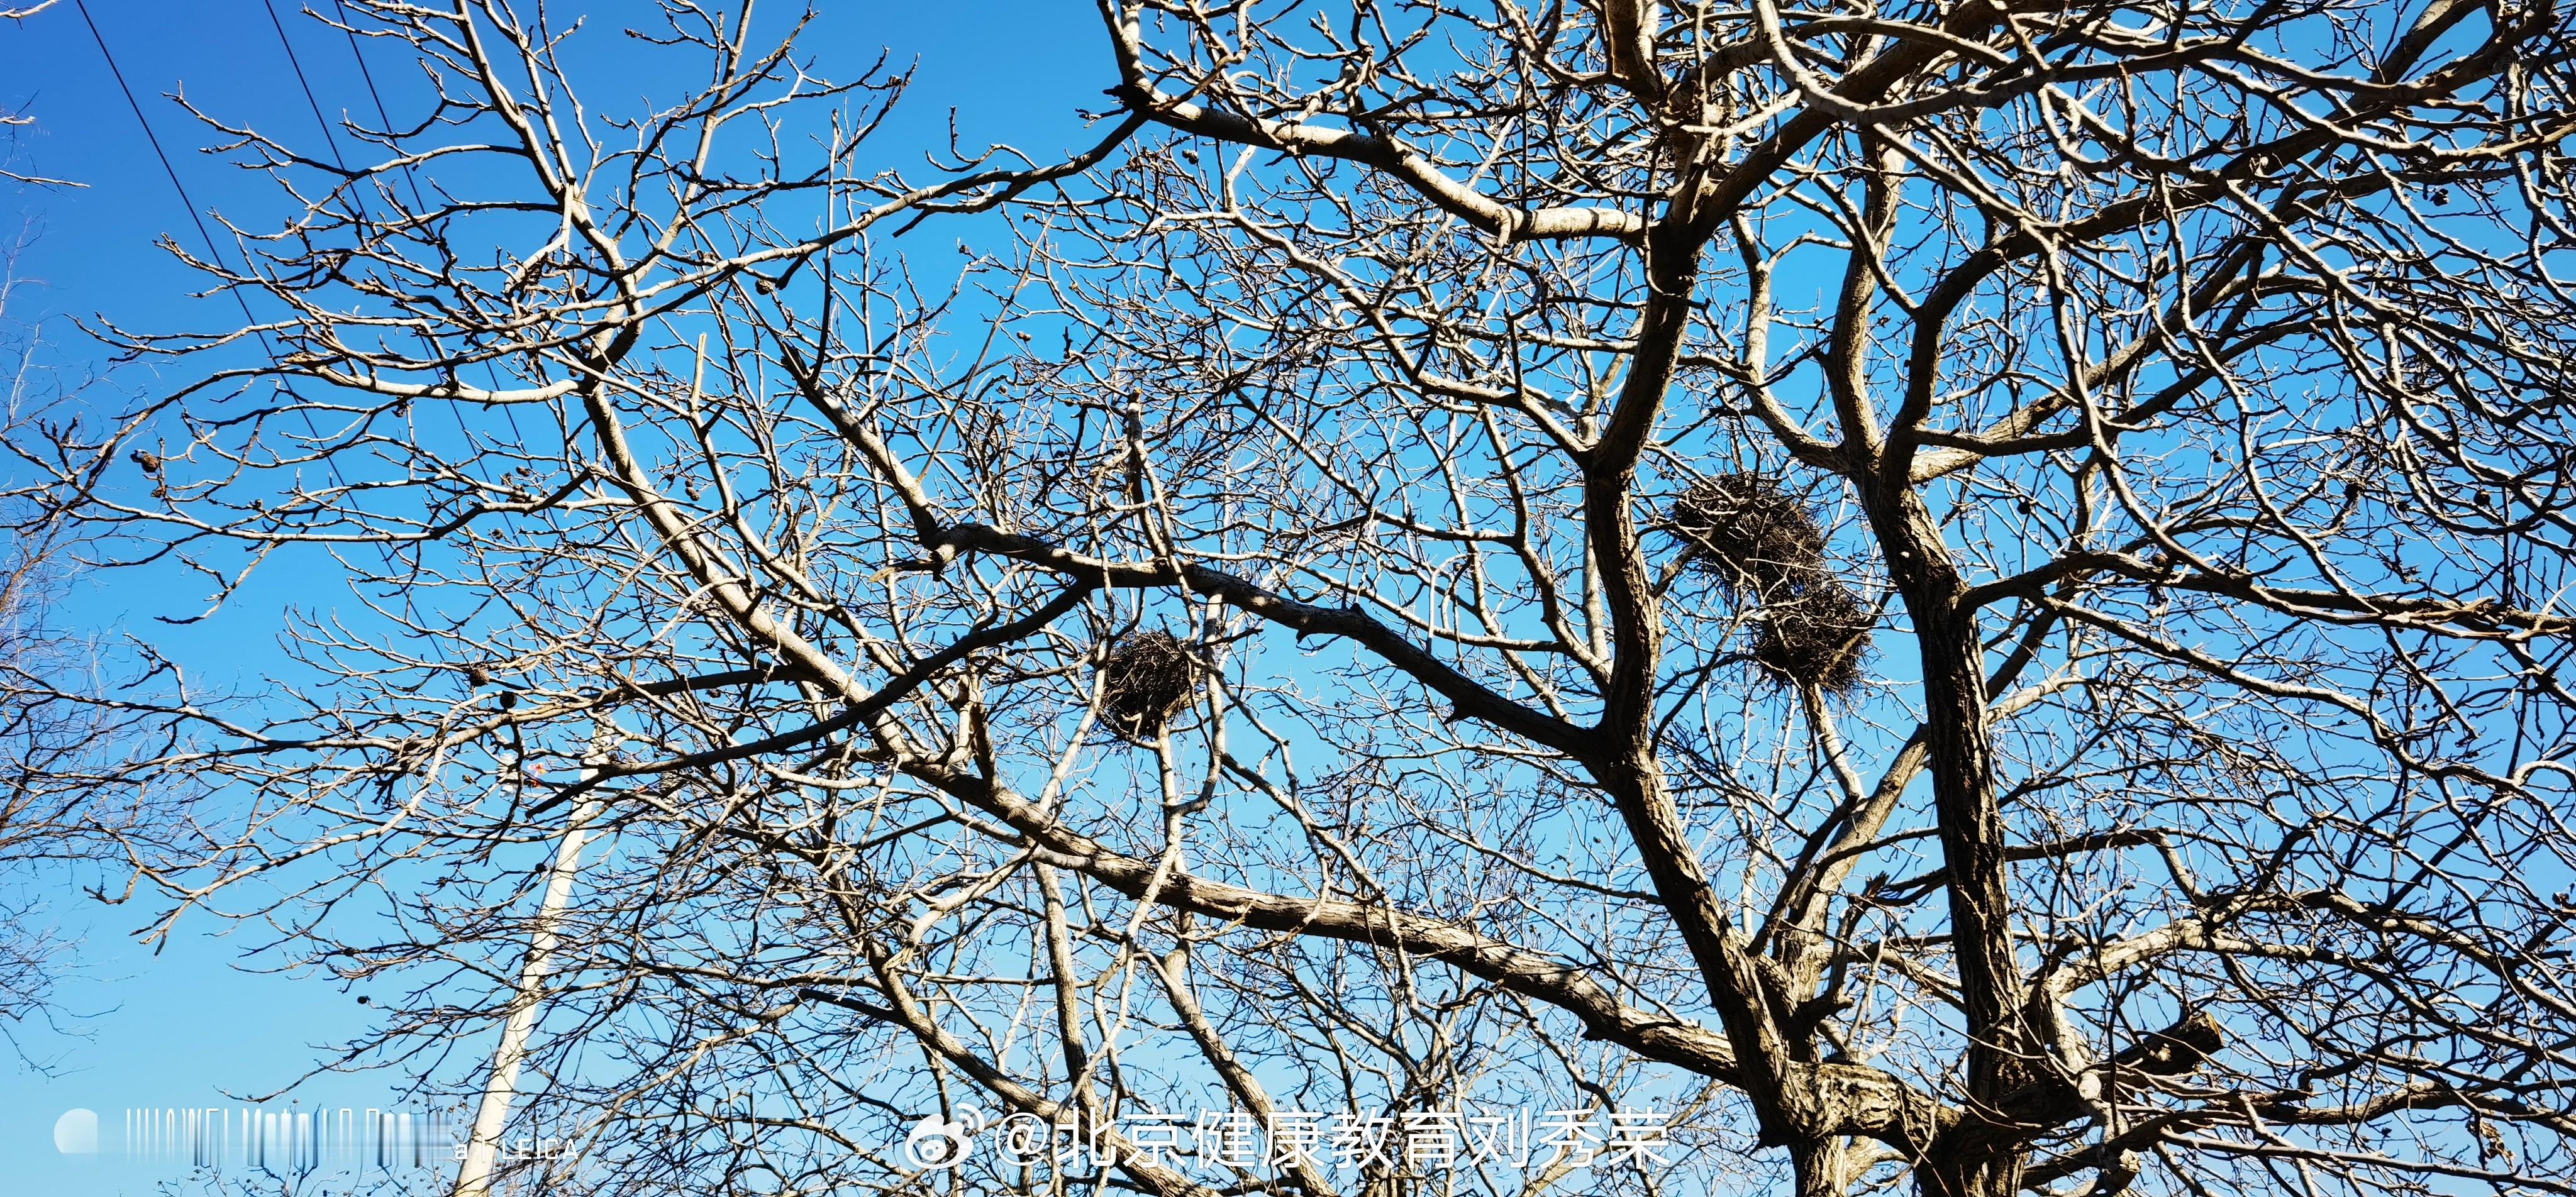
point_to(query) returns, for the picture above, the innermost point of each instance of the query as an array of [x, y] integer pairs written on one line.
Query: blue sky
[[185, 1026]]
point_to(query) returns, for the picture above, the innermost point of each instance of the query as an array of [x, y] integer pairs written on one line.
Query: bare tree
[[1965, 596], [54, 742], [31, 804], [13, 121]]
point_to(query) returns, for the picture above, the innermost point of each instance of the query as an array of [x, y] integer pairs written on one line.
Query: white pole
[[501, 1085]]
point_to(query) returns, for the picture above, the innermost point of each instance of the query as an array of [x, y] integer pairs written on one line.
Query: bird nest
[[2181, 1049], [1755, 537], [1148, 676], [1815, 637]]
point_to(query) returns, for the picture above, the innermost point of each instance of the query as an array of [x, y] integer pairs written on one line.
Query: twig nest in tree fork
[[2181, 1049], [1815, 636], [1148, 675], [1757, 538]]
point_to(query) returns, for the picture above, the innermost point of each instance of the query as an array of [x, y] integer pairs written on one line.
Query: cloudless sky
[[184, 1026]]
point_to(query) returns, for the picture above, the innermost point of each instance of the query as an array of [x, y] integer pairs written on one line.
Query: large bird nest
[[1815, 637], [2181, 1049], [1147, 677], [1756, 538]]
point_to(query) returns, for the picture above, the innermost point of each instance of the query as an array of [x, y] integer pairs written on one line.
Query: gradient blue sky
[[184, 1026]]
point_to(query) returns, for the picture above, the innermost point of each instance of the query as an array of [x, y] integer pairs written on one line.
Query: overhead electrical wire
[[384, 117], [213, 253], [295, 62], [297, 65]]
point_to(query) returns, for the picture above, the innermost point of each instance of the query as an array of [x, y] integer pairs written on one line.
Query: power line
[[349, 29], [212, 252], [385, 119], [284, 43]]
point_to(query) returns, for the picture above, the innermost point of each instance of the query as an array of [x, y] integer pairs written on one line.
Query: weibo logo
[[937, 1143]]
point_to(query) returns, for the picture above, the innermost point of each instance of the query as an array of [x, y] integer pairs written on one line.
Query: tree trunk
[[1982, 1167], [1977, 1161], [1820, 1166]]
